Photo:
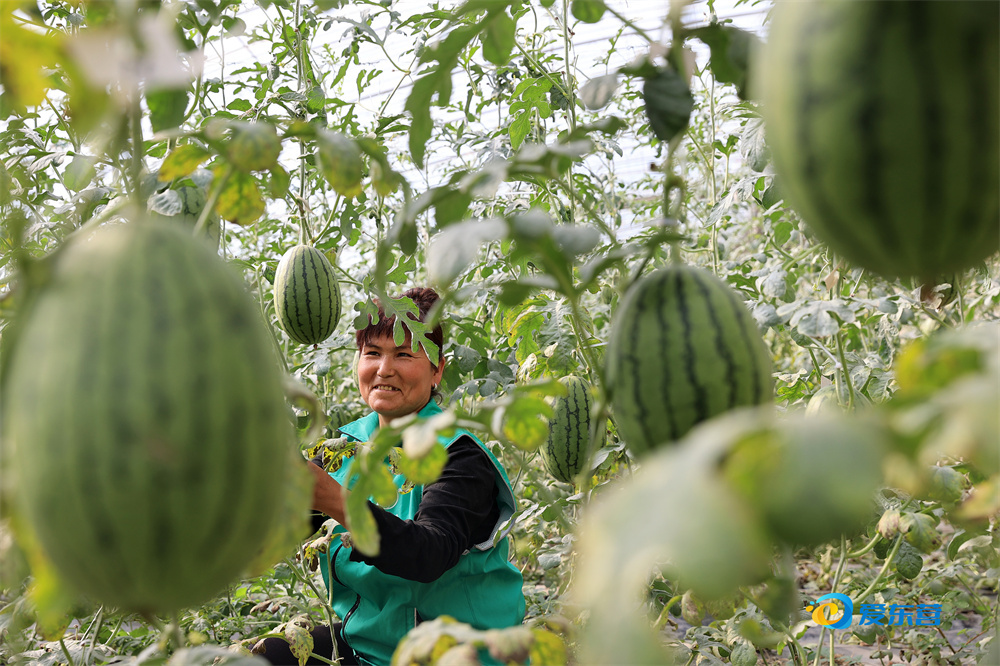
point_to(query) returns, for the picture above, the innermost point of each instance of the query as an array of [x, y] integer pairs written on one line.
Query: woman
[[443, 546]]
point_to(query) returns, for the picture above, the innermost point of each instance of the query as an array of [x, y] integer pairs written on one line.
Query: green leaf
[[588, 11], [816, 318], [452, 250], [498, 38], [946, 484], [79, 173], [730, 53], [450, 206], [167, 202], [384, 178], [364, 530], [668, 103], [166, 108], [182, 161], [341, 163], [419, 106], [519, 129], [277, 184], [712, 547], [920, 531], [381, 487], [436, 82], [240, 201], [782, 233]]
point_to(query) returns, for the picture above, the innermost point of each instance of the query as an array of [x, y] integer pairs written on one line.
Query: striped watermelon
[[682, 349], [565, 452], [146, 416], [306, 295], [884, 123]]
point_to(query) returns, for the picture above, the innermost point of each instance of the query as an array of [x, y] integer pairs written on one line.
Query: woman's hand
[[328, 495]]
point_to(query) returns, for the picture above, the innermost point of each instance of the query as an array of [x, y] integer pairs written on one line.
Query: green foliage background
[[494, 171]]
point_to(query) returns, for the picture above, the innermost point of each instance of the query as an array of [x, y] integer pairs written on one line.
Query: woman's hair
[[424, 298]]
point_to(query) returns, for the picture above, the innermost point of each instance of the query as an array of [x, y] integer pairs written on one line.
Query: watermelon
[[682, 349], [566, 450], [146, 419], [884, 123], [306, 295]]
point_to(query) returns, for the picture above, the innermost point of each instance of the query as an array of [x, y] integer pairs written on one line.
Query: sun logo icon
[[832, 610]]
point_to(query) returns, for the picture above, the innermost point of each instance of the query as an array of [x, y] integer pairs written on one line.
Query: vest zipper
[[333, 564], [343, 622], [357, 601]]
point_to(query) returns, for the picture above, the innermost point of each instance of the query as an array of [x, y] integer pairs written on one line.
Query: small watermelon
[[566, 450], [306, 295], [683, 348]]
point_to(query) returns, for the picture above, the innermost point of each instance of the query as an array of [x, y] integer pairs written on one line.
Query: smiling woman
[[396, 380], [443, 546]]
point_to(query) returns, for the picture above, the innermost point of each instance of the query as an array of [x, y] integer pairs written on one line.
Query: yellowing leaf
[[984, 502], [548, 648], [24, 54], [240, 201], [182, 161], [425, 469], [253, 146], [53, 601], [524, 422], [300, 641]]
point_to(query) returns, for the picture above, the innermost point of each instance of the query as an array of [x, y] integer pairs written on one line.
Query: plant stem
[[263, 315], [570, 91], [867, 548], [881, 574], [65, 651], [833, 588], [96, 626], [846, 371], [639, 31], [327, 611]]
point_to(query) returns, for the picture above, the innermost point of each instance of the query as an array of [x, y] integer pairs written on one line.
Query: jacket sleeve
[[456, 512]]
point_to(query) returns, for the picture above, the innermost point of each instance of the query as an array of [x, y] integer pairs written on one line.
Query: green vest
[[483, 589]]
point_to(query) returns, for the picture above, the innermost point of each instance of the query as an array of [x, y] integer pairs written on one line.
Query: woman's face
[[395, 381]]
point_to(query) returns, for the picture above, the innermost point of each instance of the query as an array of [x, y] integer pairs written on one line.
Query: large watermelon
[[683, 348], [884, 123], [146, 415], [306, 295], [566, 450]]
